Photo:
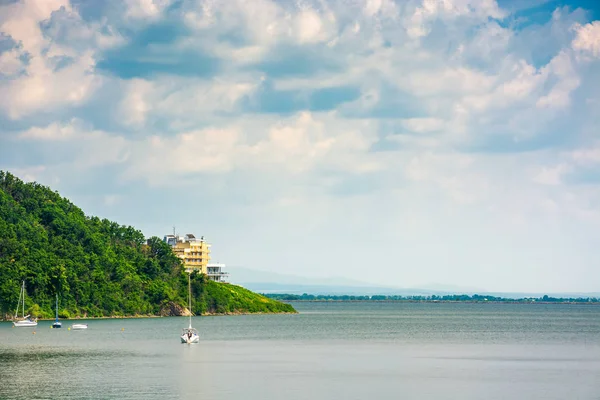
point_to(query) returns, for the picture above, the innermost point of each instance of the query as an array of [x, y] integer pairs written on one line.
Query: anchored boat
[[24, 321], [57, 323], [190, 335]]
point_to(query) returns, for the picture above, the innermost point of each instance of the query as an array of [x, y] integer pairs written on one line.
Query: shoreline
[[161, 316]]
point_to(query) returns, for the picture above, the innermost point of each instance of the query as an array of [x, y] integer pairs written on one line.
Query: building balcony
[[198, 263], [217, 277]]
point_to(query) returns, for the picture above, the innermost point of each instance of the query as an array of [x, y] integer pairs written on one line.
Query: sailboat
[[25, 321], [189, 335], [57, 323]]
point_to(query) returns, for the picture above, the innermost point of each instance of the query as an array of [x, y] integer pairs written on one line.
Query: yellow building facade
[[195, 253]]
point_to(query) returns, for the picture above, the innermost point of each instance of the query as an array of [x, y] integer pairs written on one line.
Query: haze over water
[[328, 351]]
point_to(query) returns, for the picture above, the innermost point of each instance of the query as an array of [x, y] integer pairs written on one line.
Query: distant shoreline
[[443, 301], [446, 298]]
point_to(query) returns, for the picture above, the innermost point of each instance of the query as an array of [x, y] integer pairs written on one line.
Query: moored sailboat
[[25, 320], [57, 323], [189, 335]]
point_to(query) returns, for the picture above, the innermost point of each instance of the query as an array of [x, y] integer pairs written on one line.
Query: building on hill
[[215, 272], [195, 254], [171, 240]]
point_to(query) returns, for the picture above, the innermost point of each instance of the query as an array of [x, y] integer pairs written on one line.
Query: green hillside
[[98, 267]]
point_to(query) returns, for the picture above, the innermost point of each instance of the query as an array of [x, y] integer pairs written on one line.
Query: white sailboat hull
[[24, 323], [189, 340], [79, 326], [189, 335]]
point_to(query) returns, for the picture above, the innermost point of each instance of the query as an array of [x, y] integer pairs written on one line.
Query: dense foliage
[[97, 267], [432, 298], [213, 297]]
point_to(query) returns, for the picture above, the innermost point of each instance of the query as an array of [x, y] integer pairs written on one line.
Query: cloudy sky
[[397, 142]]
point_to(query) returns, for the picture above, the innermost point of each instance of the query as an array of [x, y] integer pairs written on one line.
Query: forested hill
[[97, 267]]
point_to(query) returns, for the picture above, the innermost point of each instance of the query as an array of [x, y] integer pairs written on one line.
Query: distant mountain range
[[273, 282]]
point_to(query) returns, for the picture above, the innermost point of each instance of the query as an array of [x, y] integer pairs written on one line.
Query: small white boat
[[79, 326], [25, 321], [190, 335]]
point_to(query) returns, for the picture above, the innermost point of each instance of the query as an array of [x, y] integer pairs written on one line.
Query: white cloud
[[305, 142], [454, 175], [446, 81], [30, 174], [562, 68], [183, 101], [587, 38], [265, 24], [263, 21], [23, 24], [589, 155], [45, 89], [418, 24], [380, 8], [552, 175], [44, 85], [136, 102], [423, 125], [162, 160], [146, 9], [87, 148], [310, 27], [54, 131], [490, 42], [297, 145], [10, 63]]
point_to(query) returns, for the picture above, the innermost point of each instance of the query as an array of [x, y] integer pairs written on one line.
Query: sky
[[405, 143]]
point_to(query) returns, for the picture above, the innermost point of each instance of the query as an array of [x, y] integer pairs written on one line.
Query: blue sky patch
[[297, 61]]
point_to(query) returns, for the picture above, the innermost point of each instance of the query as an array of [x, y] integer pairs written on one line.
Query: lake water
[[327, 351]]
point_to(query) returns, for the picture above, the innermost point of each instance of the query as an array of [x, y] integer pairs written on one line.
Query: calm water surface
[[328, 351]]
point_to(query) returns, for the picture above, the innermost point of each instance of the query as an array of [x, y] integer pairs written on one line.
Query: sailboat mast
[[19, 303], [190, 297], [56, 307], [23, 299]]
